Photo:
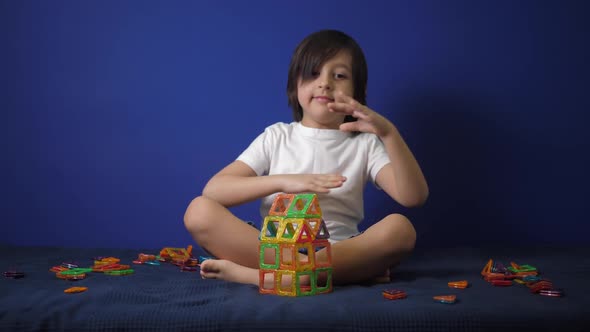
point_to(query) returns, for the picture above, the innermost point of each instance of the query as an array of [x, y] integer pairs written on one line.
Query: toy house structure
[[295, 225]]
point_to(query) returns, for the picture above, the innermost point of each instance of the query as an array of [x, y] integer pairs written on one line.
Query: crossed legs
[[235, 243]]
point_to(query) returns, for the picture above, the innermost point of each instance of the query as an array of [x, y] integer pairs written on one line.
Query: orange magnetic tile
[[487, 268], [514, 265], [394, 294], [494, 276], [458, 284], [72, 290], [57, 269], [445, 298]]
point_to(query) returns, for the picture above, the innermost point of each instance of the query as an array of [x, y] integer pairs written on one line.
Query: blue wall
[[116, 113]]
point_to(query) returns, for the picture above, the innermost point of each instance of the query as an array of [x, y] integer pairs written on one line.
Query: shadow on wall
[[459, 149]]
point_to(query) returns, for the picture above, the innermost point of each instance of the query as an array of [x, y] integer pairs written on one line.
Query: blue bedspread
[[161, 298]]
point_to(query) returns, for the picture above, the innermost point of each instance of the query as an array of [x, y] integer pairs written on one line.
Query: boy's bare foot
[[229, 271]]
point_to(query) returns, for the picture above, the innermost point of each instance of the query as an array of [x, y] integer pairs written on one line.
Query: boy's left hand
[[368, 121]]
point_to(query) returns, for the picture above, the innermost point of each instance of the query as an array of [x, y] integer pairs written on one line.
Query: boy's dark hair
[[313, 52]]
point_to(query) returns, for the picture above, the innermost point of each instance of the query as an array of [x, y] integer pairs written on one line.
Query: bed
[[162, 298]]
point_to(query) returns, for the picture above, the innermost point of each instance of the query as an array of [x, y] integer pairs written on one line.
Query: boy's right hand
[[315, 183]]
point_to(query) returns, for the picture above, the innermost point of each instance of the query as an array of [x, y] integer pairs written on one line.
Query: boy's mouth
[[324, 99]]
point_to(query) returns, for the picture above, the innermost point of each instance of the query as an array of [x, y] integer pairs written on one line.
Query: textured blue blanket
[[161, 298]]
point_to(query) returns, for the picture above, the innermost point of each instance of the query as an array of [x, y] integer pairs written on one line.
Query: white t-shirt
[[295, 149]]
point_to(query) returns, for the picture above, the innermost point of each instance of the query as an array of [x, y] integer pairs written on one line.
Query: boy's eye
[[340, 76], [315, 73]]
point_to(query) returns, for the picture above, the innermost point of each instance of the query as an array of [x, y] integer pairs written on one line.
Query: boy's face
[[314, 95]]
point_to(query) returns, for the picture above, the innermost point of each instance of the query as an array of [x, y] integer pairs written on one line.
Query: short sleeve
[[257, 155], [377, 157]]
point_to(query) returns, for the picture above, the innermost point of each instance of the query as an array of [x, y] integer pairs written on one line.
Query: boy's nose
[[324, 83]]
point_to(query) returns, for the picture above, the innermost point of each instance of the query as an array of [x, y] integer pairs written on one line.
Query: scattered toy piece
[[541, 285], [73, 290], [551, 292], [176, 254], [448, 299], [192, 262], [57, 269], [394, 294], [501, 282], [106, 261], [458, 284], [119, 272], [152, 263], [14, 274], [69, 265], [487, 268], [204, 258]]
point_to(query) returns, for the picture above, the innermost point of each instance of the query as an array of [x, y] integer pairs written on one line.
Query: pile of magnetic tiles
[[111, 265], [106, 265], [498, 275]]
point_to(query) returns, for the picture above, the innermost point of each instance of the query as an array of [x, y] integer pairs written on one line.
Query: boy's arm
[[237, 183], [402, 178]]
